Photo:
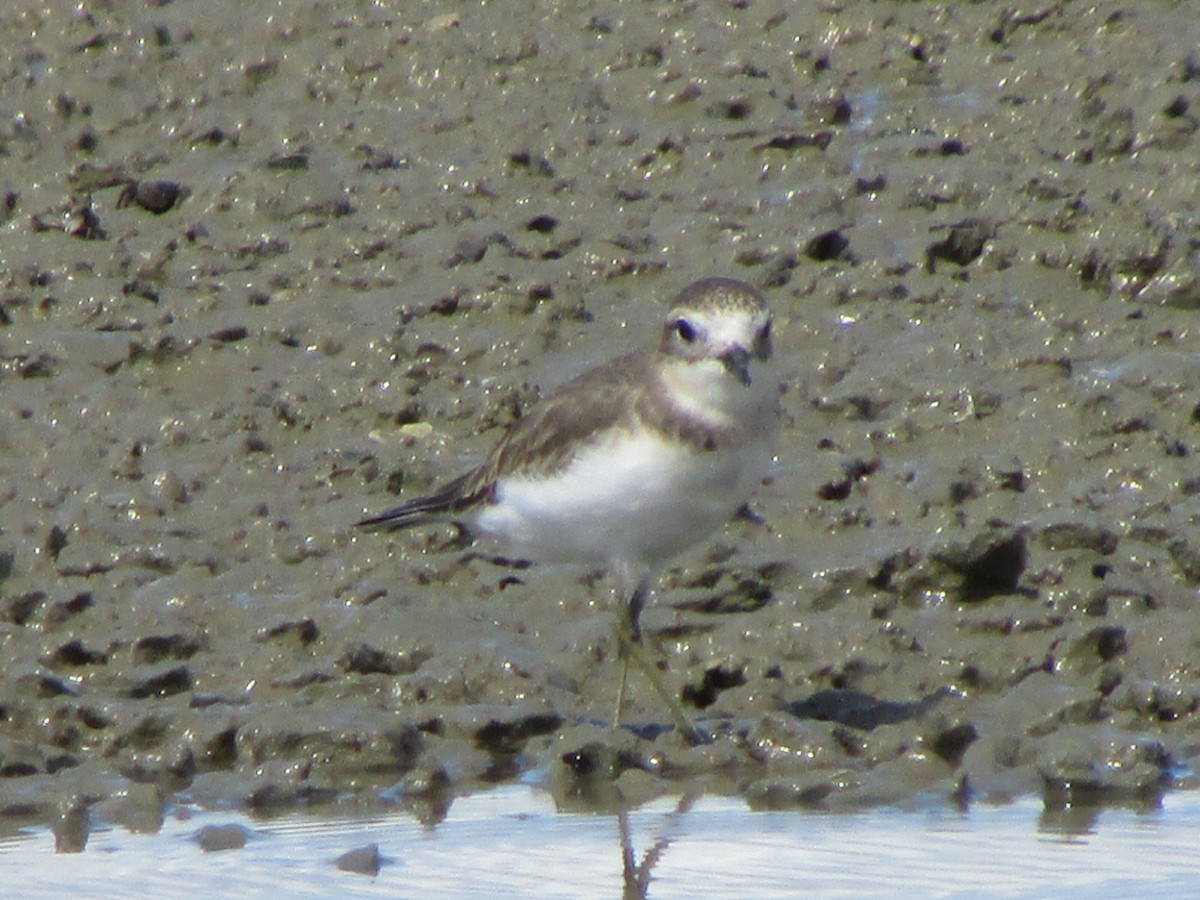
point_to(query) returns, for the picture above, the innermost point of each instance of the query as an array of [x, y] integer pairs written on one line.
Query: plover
[[634, 461]]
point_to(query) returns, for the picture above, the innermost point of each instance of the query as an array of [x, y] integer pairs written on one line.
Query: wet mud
[[264, 269]]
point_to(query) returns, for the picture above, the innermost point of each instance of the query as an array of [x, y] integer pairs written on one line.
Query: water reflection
[[523, 841], [1074, 813], [635, 876]]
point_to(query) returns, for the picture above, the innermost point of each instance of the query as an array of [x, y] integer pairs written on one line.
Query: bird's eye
[[686, 331]]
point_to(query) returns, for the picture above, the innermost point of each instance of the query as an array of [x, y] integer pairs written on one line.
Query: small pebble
[[212, 838], [361, 861]]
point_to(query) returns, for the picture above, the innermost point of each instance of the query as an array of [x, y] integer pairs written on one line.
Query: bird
[[632, 462]]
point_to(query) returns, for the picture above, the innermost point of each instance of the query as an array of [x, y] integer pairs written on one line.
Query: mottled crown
[[718, 295]]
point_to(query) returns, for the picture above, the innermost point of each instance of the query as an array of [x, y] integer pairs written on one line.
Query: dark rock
[[510, 737], [153, 196], [304, 630], [74, 653], [962, 245], [214, 838], [20, 609], [991, 564], [860, 710], [361, 861], [366, 660], [163, 684], [716, 679], [953, 742], [827, 246], [156, 648]]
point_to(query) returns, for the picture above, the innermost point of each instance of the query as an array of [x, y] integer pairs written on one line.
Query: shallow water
[[512, 842]]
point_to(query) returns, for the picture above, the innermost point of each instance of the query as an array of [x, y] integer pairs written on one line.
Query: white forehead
[[726, 325]]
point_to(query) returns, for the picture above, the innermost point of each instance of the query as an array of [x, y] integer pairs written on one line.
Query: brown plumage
[[543, 440]]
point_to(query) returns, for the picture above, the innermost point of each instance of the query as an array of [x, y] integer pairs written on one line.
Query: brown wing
[[539, 443]]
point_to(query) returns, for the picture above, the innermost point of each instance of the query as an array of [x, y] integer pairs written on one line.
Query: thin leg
[[630, 647], [623, 654], [629, 632], [633, 609]]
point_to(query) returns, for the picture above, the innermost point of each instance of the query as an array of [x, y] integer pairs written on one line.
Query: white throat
[[705, 390]]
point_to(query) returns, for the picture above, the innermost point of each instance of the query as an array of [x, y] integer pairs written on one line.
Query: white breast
[[632, 500]]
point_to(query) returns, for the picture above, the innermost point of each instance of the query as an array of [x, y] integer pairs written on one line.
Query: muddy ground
[[265, 267]]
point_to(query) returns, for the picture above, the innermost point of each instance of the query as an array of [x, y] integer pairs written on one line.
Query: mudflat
[[265, 269]]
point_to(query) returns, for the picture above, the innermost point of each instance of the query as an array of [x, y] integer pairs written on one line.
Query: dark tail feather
[[419, 510]]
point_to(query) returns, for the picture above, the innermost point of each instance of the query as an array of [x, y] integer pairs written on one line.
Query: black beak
[[737, 362]]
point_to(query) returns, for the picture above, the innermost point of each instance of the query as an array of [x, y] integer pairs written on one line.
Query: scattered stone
[[953, 742], [991, 564], [74, 653], [361, 861], [156, 648], [230, 335], [364, 659], [288, 162], [55, 541], [828, 245], [215, 838], [20, 609], [861, 710], [715, 680], [510, 737], [304, 631], [962, 245], [153, 196], [163, 684]]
